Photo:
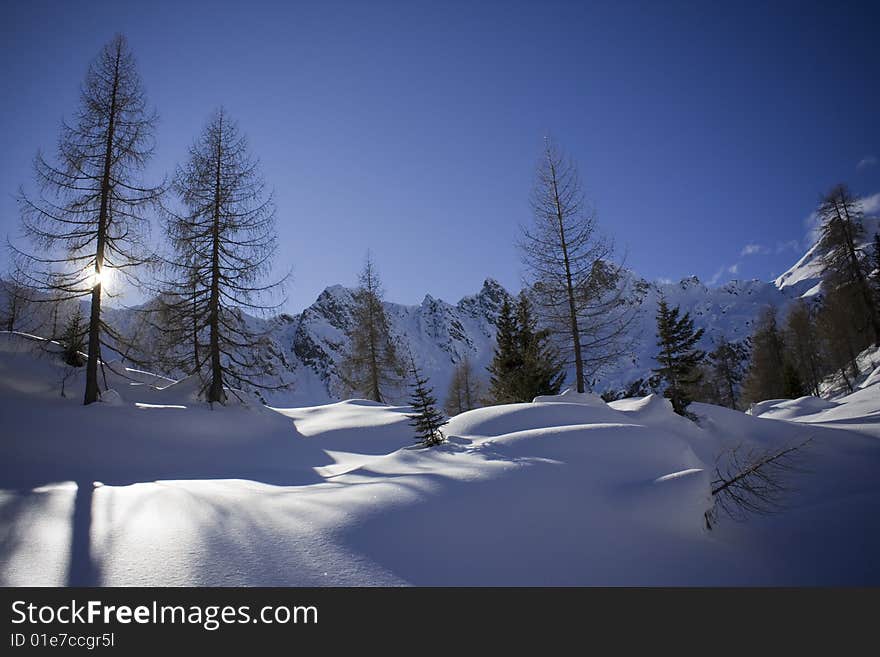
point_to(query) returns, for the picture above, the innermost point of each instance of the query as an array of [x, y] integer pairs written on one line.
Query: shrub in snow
[[426, 420]]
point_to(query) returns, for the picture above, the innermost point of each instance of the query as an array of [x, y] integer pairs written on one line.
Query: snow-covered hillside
[[151, 487]]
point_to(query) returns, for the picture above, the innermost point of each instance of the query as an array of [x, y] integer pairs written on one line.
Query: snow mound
[[570, 396], [493, 421], [651, 407], [872, 379], [787, 409]]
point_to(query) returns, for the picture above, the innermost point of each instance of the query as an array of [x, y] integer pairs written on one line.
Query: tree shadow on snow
[[93, 446]]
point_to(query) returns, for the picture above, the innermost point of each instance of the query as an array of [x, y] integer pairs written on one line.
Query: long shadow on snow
[[115, 446]]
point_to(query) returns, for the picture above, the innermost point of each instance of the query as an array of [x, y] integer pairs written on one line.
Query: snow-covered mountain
[[307, 349], [804, 278], [441, 334]]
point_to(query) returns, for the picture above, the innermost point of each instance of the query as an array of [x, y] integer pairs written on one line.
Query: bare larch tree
[[223, 243], [89, 215], [843, 261], [373, 366], [580, 292], [465, 389]]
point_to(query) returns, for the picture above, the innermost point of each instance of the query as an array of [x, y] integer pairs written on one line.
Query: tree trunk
[[860, 277], [91, 394], [730, 390], [374, 358], [216, 394], [572, 308], [195, 333]]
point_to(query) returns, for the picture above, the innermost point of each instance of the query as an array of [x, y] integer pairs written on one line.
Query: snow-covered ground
[[152, 487]]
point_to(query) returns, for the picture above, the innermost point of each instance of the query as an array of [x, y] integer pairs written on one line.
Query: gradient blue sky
[[413, 128]]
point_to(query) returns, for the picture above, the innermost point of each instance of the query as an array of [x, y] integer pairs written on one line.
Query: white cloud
[[664, 281], [790, 245], [717, 276], [865, 162], [733, 269], [754, 249], [870, 204]]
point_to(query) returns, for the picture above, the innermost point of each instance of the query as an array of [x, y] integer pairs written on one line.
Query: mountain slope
[[305, 350]]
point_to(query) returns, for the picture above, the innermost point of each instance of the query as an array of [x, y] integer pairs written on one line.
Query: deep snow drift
[[154, 487]]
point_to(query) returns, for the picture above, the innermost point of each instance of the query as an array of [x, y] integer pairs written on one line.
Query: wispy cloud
[[867, 161], [717, 276], [664, 281], [870, 204], [733, 269], [754, 249], [790, 245]]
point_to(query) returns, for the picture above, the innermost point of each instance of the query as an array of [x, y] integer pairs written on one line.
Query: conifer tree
[[72, 339], [372, 366], [803, 346], [765, 378], [507, 360], [679, 358], [543, 372], [90, 215], [426, 419], [838, 330], [465, 389], [525, 364], [841, 233], [581, 293], [223, 245], [792, 386], [707, 388], [727, 365]]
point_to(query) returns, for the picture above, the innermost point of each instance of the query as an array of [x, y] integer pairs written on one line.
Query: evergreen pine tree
[[507, 360], [73, 339], [679, 358], [542, 370], [426, 419], [525, 364]]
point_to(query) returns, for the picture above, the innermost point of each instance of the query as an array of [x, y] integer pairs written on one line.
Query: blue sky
[[413, 128]]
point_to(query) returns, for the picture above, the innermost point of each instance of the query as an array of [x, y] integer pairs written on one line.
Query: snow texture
[[157, 488]]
